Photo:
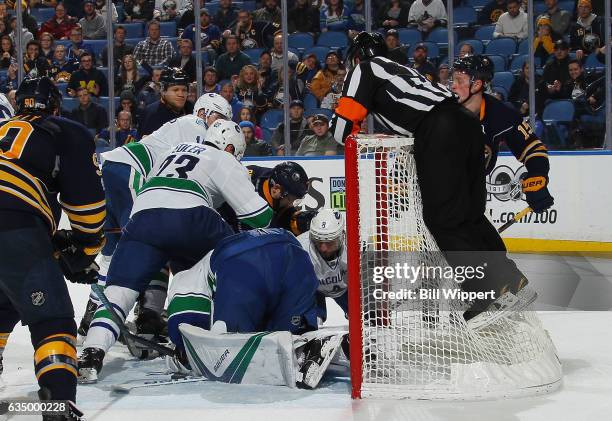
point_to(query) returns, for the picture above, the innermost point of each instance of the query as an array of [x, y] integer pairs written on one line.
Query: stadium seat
[[523, 47], [568, 5], [320, 52], [267, 134], [440, 36], [499, 62], [503, 79], [134, 30], [593, 63], [517, 63], [409, 36], [96, 45], [478, 5], [69, 104], [65, 42], [254, 54], [271, 119], [310, 102], [248, 5], [485, 33], [476, 44], [539, 7], [104, 71], [42, 14], [463, 17], [62, 88], [502, 91], [557, 117], [433, 52], [502, 46], [167, 29], [120, 12], [301, 41], [333, 39], [133, 41], [103, 102]]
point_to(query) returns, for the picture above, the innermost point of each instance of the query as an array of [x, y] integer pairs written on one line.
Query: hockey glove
[[300, 221], [536, 193], [76, 256]]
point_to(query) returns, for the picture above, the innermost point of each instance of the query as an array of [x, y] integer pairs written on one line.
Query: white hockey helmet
[[223, 133], [327, 227], [211, 103]]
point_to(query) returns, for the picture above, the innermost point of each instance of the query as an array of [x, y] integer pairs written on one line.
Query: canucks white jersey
[[6, 109], [143, 155], [332, 274], [193, 174]]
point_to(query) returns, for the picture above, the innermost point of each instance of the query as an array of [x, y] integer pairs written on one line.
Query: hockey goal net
[[405, 345]]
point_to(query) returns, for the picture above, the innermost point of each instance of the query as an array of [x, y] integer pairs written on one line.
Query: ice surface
[[584, 341]]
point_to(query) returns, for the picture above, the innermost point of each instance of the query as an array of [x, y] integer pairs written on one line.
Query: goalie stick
[[129, 336], [138, 384]]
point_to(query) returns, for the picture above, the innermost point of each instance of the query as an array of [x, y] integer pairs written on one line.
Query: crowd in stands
[[242, 58]]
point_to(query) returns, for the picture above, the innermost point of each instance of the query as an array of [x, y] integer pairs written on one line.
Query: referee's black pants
[[449, 155]]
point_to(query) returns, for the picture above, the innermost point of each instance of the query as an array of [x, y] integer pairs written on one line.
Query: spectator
[[3, 30], [151, 92], [169, 12], [9, 82], [269, 13], [88, 113], [356, 22], [210, 35], [4, 16], [559, 19], [556, 73], [491, 12], [444, 75], [519, 92], [247, 114], [330, 101], [27, 19], [92, 23], [227, 92], [248, 89], [277, 54], [427, 15], [575, 88], [296, 87], [101, 9], [124, 133], [232, 61], [60, 25], [7, 51], [184, 60], [321, 142], [128, 78], [77, 47], [43, 3], [587, 32], [172, 104], [127, 102], [323, 80], [303, 17], [88, 77], [543, 44], [253, 34], [120, 47], [298, 129], [33, 64], [513, 23], [466, 50], [26, 36], [226, 16], [154, 50], [424, 66], [311, 68], [47, 45], [186, 12], [393, 14], [210, 81], [61, 66], [254, 146], [264, 68], [395, 50], [334, 16], [139, 10]]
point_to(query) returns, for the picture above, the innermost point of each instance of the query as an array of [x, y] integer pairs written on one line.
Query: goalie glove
[[76, 256], [536, 193]]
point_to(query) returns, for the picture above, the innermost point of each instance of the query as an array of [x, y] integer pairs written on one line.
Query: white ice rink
[[583, 339]]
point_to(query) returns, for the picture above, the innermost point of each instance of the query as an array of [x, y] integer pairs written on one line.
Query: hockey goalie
[[246, 313]]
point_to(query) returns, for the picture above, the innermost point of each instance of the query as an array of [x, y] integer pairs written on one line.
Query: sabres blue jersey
[[504, 124], [48, 164]]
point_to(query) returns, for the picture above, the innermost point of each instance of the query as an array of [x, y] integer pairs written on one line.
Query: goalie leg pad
[[264, 358]]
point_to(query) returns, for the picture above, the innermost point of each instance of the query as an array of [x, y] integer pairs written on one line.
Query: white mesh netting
[[422, 347]]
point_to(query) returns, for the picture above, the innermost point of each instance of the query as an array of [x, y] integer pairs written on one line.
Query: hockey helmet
[[365, 46], [173, 76], [291, 177], [223, 133], [327, 227], [212, 102], [38, 94], [478, 67]]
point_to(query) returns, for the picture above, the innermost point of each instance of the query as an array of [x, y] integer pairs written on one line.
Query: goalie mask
[[213, 103], [327, 233], [224, 133]]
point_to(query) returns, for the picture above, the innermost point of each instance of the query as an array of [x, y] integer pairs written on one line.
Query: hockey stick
[[516, 218], [112, 230], [163, 350]]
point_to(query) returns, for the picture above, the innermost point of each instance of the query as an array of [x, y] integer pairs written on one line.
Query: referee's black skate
[[90, 365]]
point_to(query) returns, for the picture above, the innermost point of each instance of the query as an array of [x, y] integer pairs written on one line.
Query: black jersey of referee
[[398, 96]]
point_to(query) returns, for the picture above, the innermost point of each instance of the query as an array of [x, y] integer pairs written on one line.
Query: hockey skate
[[73, 413], [90, 365], [318, 354], [86, 320]]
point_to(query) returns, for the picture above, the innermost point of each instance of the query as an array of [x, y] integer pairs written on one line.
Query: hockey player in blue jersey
[[255, 281]]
